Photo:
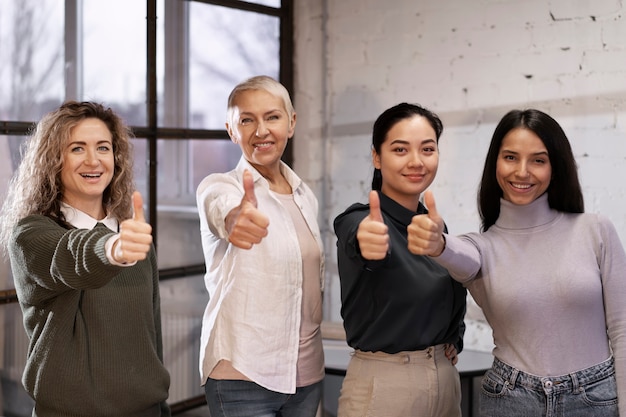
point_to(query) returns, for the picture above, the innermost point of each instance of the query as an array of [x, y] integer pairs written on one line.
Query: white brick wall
[[470, 61]]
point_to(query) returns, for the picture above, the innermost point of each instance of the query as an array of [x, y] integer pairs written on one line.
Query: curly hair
[[36, 187]]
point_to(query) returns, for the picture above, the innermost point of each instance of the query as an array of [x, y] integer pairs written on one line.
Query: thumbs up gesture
[[425, 233], [372, 234], [245, 224], [135, 235]]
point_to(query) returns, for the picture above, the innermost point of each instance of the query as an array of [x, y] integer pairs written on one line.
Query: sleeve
[[346, 226], [460, 257], [55, 259], [612, 262], [216, 196]]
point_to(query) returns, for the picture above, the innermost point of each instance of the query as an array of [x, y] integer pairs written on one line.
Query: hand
[[372, 234], [245, 224], [425, 233], [135, 235], [451, 353]]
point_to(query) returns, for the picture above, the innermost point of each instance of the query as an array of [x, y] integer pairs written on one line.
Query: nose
[[522, 170], [261, 129], [415, 160], [91, 158]]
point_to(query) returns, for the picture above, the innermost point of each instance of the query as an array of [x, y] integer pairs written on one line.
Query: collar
[[292, 178], [82, 220], [398, 211], [537, 213]]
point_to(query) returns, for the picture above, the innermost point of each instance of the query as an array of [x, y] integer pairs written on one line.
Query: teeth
[[91, 175], [521, 186], [262, 145]]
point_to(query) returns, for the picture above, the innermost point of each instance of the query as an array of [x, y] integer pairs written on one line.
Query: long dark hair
[[388, 119], [564, 192]]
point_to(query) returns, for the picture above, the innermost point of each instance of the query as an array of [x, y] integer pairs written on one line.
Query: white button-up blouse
[[253, 315]]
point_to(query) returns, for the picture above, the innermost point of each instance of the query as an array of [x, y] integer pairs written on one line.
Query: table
[[471, 364]]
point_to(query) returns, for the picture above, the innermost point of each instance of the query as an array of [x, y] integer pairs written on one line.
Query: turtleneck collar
[[528, 216]]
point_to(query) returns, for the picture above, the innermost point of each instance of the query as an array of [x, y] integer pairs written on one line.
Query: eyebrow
[[406, 142], [517, 153], [249, 113], [82, 142]]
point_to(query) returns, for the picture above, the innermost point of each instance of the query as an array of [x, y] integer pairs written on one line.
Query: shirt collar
[[82, 220]]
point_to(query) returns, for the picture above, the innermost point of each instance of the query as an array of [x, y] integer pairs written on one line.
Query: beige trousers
[[407, 384]]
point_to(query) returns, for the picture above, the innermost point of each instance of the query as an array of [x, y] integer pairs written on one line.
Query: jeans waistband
[[569, 382], [401, 357]]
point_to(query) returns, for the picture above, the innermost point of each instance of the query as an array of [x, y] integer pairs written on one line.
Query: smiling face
[[262, 128], [408, 160], [88, 166], [523, 169]]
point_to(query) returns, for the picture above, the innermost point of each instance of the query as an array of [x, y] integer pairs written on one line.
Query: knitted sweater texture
[[95, 331]]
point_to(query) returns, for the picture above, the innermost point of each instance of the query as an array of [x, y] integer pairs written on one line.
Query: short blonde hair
[[259, 82]]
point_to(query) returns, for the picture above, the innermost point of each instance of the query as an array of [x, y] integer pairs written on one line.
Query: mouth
[[263, 145], [91, 175], [520, 186], [414, 177]]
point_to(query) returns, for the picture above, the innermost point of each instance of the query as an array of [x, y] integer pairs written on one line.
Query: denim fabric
[[508, 392], [233, 398]]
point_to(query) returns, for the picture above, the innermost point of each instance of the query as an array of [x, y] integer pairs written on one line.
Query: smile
[[521, 186], [263, 145], [91, 175]]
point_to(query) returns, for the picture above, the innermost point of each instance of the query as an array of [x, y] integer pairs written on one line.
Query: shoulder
[[35, 222], [353, 214], [219, 181]]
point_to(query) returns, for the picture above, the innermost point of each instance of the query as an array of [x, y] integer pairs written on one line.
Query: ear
[[292, 125], [232, 134], [375, 159]]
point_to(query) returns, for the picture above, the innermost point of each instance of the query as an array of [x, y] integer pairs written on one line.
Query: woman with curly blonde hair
[[85, 270]]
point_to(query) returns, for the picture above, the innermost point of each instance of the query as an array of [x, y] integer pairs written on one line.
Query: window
[[167, 67]]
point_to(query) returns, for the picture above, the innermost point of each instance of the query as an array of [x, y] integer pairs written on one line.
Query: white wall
[[469, 61]]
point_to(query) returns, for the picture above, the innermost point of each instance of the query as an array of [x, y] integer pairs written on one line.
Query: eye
[[76, 149], [399, 149], [508, 157], [245, 121], [274, 117], [104, 148], [429, 149]]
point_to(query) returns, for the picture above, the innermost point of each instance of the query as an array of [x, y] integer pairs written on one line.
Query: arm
[[459, 255], [355, 228], [47, 256], [612, 263], [230, 209]]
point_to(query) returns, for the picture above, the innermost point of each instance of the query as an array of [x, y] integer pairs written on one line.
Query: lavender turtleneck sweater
[[552, 285]]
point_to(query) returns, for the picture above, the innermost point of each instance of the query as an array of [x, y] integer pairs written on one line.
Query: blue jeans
[[508, 392], [233, 398]]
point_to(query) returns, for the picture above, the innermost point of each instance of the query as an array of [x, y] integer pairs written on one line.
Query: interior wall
[[470, 62]]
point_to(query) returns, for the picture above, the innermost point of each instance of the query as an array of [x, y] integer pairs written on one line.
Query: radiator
[[181, 348]]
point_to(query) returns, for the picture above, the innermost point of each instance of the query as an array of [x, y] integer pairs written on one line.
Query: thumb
[[429, 201], [248, 188], [138, 214], [375, 213]]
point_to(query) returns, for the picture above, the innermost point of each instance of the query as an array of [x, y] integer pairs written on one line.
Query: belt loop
[[575, 381], [513, 377]]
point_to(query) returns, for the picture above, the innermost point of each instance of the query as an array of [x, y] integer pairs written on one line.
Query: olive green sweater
[[95, 330]]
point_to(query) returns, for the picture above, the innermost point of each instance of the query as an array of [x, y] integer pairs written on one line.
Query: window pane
[[114, 54], [272, 3], [226, 47], [31, 57], [209, 156]]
